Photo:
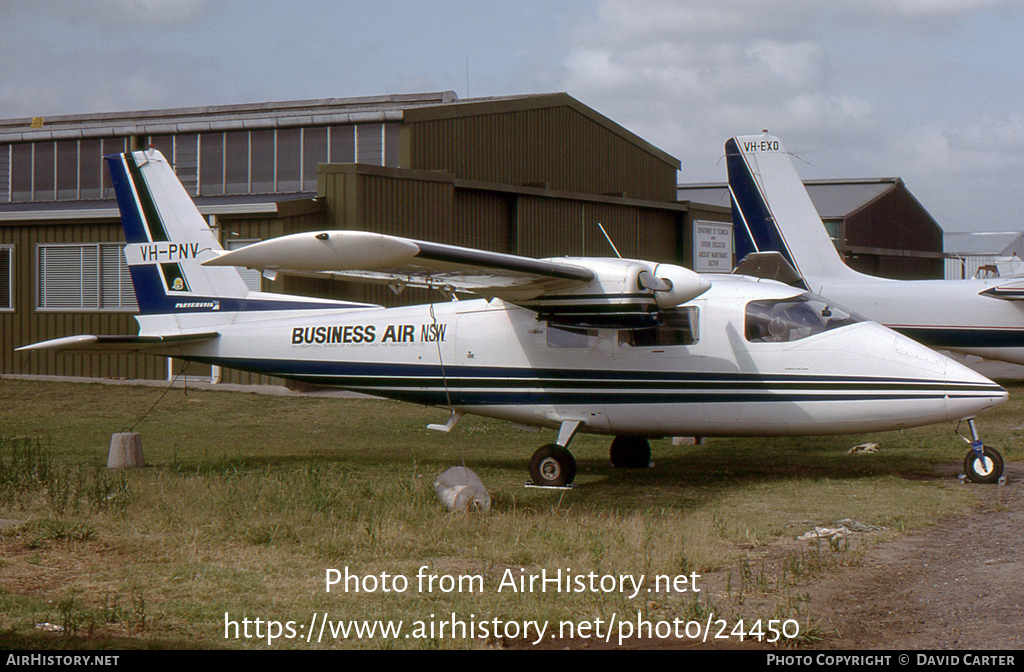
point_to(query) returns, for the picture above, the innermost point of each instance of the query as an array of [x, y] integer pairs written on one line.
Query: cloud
[[109, 14], [933, 8], [688, 75], [874, 88]]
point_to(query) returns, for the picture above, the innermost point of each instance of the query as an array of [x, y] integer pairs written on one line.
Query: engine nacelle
[[682, 285]]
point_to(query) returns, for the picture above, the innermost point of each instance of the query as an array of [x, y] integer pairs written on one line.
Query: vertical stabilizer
[[772, 211], [167, 239]]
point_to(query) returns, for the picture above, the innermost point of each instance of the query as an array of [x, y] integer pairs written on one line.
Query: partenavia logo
[[191, 305]]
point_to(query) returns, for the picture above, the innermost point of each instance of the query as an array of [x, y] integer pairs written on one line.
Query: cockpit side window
[[786, 320], [678, 328], [568, 337]]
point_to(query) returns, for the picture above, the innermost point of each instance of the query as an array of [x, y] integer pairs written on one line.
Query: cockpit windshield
[[785, 320]]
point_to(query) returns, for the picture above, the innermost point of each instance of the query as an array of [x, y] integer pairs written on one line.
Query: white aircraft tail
[[167, 239], [772, 211]]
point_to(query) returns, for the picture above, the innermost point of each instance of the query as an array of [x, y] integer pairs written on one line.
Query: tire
[[987, 471], [630, 452], [552, 466]]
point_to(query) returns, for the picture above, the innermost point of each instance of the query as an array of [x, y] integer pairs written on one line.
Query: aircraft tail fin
[[772, 211], [167, 239]]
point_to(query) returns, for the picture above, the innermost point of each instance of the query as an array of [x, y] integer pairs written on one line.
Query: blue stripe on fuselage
[[468, 386]]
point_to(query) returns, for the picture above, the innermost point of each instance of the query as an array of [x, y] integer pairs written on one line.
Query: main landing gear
[[982, 464], [630, 452], [553, 466]]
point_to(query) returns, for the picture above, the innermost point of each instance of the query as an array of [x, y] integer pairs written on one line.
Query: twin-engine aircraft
[[625, 348], [775, 217]]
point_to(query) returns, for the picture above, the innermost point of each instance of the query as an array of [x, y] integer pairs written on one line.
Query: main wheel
[[985, 469], [552, 466], [630, 452]]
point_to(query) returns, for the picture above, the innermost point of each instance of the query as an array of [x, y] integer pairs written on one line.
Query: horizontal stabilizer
[[770, 266], [108, 344]]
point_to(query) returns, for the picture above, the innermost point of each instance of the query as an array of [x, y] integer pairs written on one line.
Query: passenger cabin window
[[678, 328], [785, 320], [565, 337]]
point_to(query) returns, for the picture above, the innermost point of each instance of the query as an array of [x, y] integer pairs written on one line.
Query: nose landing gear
[[982, 464]]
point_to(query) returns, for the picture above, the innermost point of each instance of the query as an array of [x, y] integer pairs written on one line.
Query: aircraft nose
[[968, 392]]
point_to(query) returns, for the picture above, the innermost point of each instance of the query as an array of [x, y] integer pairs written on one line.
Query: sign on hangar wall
[[712, 247]]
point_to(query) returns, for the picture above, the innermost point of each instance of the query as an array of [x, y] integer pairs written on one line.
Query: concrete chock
[[125, 451], [460, 489]]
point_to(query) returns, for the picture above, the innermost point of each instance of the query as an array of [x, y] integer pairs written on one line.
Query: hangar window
[[785, 320], [236, 162], [84, 277], [343, 144], [264, 161], [289, 159], [21, 172], [314, 151], [46, 171], [67, 170], [679, 328], [43, 168], [370, 144], [5, 173], [6, 277]]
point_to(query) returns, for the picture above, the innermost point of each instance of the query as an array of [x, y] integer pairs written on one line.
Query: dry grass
[[247, 500]]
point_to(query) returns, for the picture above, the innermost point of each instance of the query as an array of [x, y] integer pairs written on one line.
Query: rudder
[[772, 211], [167, 239]]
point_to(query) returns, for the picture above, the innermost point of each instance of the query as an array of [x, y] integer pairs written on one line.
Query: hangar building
[[530, 175], [983, 254], [876, 224]]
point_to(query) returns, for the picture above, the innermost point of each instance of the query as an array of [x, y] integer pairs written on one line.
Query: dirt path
[[960, 585]]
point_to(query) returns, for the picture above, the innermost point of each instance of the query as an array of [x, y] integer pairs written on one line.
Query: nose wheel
[[982, 463], [984, 468]]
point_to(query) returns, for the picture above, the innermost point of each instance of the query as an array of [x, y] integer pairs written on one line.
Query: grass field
[[248, 500]]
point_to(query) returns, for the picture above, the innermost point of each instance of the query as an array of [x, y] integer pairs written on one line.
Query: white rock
[[460, 489]]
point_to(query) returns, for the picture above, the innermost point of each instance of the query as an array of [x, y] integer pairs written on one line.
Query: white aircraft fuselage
[[496, 359]]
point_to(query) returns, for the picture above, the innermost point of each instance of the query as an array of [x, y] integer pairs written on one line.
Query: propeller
[[673, 285]]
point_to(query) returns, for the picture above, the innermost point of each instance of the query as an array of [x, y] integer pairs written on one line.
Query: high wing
[[580, 292], [115, 343], [375, 257]]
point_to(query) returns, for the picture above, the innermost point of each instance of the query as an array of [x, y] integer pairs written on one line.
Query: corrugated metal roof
[[369, 109], [295, 113], [833, 199], [999, 243], [708, 194]]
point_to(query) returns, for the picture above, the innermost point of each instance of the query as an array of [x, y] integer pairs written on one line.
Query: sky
[[926, 90]]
